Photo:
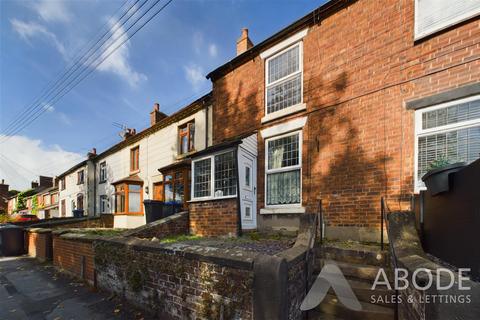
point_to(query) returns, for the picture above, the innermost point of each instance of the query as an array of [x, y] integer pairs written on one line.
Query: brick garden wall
[[358, 143], [39, 244], [214, 218], [74, 255], [176, 224], [182, 283]]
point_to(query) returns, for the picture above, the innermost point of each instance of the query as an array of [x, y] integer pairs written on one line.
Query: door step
[[332, 307], [353, 252]]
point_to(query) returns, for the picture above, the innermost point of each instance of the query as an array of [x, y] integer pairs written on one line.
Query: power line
[[36, 101], [60, 94]]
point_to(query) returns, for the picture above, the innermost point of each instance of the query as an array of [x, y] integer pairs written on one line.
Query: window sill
[[185, 155], [128, 213], [284, 112], [283, 210], [101, 182], [211, 199]]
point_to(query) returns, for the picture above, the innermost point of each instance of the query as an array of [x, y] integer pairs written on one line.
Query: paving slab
[[32, 290]]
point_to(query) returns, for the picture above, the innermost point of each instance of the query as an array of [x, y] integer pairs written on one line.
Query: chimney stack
[[243, 43], [129, 132], [91, 154], [156, 116], [46, 181]]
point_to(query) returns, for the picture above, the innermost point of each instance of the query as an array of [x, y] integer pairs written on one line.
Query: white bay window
[[450, 131], [283, 170], [215, 176]]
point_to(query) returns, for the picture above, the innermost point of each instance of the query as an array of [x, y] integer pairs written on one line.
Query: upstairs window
[[215, 176], [55, 198], [134, 159], [103, 172], [80, 177], [435, 15], [284, 79], [186, 138], [283, 170], [450, 131], [62, 184]]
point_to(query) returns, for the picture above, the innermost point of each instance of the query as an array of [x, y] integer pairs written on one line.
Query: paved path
[[30, 290]]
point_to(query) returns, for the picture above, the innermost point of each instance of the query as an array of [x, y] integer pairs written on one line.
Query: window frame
[[63, 208], [82, 174], [292, 108], [174, 182], [62, 184], [420, 132], [212, 177], [285, 169], [417, 35], [126, 192], [102, 167], [135, 157], [191, 142], [104, 198]]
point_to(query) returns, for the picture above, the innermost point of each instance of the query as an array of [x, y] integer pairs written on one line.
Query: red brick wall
[[74, 257], [359, 139], [39, 245], [213, 218]]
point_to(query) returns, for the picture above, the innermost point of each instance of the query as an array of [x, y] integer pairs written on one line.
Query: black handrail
[[382, 218]]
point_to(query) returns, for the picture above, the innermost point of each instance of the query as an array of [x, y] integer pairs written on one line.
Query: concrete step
[[363, 291], [356, 253], [353, 270], [333, 308]]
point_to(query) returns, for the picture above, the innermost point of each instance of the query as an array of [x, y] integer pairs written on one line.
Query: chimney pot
[[243, 43]]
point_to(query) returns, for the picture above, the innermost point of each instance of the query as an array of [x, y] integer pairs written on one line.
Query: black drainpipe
[[206, 125], [239, 208]]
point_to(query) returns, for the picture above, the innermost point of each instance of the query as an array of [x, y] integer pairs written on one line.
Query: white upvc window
[[449, 131], [103, 172], [283, 170], [104, 204], [435, 15], [214, 176]]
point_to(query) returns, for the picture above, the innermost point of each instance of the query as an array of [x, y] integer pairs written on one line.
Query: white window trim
[[448, 23], [285, 169], [212, 178], [104, 199], [296, 107], [292, 125], [102, 165], [419, 132]]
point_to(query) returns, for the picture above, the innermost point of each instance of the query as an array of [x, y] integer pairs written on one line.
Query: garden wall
[[214, 217], [176, 224], [38, 243], [73, 254], [182, 281]]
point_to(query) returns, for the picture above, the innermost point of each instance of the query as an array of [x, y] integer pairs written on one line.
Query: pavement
[[33, 290]]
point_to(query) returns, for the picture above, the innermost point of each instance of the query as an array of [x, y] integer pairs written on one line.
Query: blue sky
[[165, 62]]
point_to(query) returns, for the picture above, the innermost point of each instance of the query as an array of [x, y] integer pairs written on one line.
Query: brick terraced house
[[348, 104]]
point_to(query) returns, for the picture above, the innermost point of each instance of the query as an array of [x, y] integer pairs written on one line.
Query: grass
[[180, 238], [103, 232]]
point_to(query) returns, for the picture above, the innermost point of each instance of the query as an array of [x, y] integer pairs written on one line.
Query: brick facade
[[214, 218], [358, 143], [74, 256]]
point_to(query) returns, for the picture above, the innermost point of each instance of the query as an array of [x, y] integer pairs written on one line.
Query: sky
[[165, 62]]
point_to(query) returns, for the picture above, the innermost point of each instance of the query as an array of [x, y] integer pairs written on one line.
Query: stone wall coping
[[133, 232], [62, 221], [234, 258], [293, 254], [81, 237], [39, 230]]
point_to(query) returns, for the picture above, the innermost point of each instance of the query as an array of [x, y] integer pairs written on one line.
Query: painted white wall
[[72, 189], [156, 151]]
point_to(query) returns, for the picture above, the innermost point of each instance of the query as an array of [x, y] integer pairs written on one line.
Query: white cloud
[[195, 75], [117, 62], [198, 42], [212, 50], [52, 11], [27, 158], [30, 30]]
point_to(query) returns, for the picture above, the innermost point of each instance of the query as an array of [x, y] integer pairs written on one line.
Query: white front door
[[248, 190]]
